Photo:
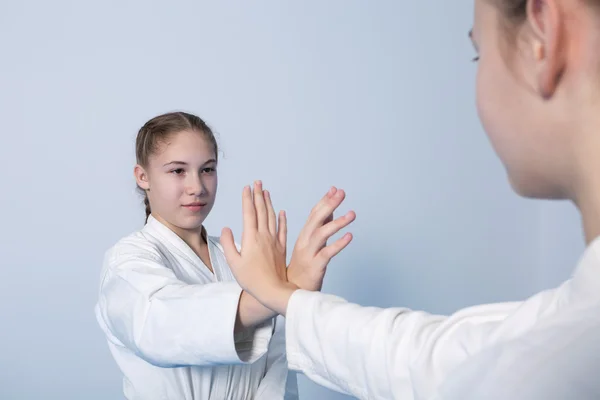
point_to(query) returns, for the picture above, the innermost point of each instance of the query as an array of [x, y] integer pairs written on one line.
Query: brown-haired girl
[[177, 323]]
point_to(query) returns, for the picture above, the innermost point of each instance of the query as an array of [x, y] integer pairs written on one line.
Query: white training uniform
[[170, 322], [544, 348]]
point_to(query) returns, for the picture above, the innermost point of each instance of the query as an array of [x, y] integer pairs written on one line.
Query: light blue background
[[374, 97]]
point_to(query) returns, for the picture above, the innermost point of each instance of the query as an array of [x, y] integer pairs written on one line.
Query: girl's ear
[[546, 21], [141, 177]]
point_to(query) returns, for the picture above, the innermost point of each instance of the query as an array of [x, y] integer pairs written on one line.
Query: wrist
[[277, 298]]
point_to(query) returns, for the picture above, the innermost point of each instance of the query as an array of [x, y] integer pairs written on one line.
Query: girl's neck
[[586, 185], [196, 238], [589, 207]]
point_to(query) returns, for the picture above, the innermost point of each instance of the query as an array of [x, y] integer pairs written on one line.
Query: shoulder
[[137, 245], [558, 359]]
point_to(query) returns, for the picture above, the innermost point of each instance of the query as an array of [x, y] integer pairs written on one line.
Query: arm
[[365, 351], [170, 323], [279, 382], [250, 313], [558, 359], [378, 353], [388, 353]]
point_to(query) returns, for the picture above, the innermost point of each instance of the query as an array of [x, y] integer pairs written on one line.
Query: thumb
[[231, 253]]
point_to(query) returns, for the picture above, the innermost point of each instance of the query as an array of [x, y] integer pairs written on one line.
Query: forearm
[[251, 312], [383, 353], [275, 297], [163, 325]]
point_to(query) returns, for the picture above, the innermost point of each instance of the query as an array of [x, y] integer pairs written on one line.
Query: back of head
[[538, 90]]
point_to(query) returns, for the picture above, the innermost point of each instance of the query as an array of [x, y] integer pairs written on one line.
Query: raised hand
[[311, 253], [260, 268]]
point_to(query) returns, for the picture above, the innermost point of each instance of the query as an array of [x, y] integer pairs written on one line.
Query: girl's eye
[[208, 170], [475, 59], [177, 171]]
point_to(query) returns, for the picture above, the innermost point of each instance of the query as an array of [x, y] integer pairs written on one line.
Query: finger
[[326, 231], [332, 191], [272, 218], [231, 253], [322, 211], [327, 220], [282, 233], [334, 249], [261, 208], [248, 211]]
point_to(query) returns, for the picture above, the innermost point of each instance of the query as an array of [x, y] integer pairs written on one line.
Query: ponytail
[[147, 204]]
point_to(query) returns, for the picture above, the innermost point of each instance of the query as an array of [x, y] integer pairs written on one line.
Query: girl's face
[[525, 127], [181, 180]]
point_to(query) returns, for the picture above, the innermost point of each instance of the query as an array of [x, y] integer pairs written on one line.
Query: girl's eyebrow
[[175, 163], [212, 160]]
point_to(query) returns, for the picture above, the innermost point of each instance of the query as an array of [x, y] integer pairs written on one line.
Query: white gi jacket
[[547, 347], [170, 321]]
